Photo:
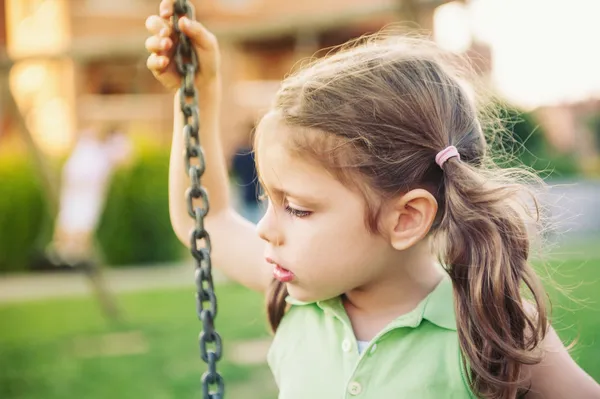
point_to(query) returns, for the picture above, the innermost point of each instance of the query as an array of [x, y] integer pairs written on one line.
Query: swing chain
[[186, 62]]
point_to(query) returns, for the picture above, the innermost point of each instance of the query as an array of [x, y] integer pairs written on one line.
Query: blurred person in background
[[244, 169], [85, 180]]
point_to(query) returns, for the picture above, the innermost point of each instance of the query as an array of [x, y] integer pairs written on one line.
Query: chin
[[299, 294], [303, 295]]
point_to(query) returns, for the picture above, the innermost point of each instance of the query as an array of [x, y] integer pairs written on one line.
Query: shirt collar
[[437, 308]]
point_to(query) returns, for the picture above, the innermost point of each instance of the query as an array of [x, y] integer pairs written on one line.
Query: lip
[[272, 261], [280, 273]]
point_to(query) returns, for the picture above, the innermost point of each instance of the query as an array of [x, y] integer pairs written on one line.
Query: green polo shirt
[[314, 354]]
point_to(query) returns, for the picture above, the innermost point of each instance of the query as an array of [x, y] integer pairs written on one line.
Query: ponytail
[[487, 259]]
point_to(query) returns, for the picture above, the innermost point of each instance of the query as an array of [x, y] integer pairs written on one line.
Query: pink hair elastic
[[446, 154]]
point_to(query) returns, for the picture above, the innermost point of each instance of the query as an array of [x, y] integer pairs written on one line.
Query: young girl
[[375, 167]]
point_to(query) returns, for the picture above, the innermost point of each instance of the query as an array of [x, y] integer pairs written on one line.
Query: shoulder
[[557, 375]]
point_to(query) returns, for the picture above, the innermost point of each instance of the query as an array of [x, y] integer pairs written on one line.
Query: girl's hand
[[163, 42]]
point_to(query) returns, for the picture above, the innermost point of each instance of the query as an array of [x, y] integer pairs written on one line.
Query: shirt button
[[346, 345], [373, 349], [354, 388]]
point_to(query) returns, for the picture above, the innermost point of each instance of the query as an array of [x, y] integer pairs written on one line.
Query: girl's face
[[314, 227]]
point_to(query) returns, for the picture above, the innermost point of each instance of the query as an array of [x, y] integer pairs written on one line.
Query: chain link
[[211, 348]]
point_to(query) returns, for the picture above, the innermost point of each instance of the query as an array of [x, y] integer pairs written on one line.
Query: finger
[[157, 63], [199, 35], [166, 8], [156, 24], [165, 32], [157, 44]]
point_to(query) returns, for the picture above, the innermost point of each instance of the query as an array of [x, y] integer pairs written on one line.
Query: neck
[[403, 282]]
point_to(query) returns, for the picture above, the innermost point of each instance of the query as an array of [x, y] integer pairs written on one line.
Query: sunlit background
[[71, 65], [540, 50]]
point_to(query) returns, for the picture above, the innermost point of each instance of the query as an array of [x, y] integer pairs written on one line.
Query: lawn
[[62, 348]]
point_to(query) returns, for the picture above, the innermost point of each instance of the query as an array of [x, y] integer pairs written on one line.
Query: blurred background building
[[78, 62]]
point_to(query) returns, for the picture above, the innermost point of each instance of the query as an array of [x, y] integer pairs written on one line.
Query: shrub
[[522, 141], [135, 226], [25, 223]]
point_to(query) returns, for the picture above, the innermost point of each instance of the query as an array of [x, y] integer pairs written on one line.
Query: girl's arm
[[237, 249], [558, 376]]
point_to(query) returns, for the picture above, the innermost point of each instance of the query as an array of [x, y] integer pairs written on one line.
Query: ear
[[410, 218]]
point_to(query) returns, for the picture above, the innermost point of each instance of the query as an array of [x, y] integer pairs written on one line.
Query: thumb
[[201, 37]]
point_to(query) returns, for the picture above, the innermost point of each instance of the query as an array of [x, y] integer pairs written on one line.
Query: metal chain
[[186, 62]]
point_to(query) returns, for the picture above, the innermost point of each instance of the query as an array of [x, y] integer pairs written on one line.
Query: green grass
[[41, 343], [41, 348], [575, 299]]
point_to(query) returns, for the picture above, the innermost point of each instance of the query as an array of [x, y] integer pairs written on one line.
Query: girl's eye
[[296, 212]]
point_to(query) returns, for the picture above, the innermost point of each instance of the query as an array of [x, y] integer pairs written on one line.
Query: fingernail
[[164, 32], [185, 22], [164, 43]]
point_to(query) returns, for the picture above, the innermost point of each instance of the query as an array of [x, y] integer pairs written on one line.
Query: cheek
[[334, 243]]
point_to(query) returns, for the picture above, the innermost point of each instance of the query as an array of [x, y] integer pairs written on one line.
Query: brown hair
[[378, 113]]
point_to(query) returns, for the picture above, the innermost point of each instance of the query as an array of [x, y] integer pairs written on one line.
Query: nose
[[268, 228]]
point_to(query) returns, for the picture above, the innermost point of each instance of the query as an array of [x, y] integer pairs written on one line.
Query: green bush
[[135, 226], [24, 216], [522, 141], [593, 123]]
